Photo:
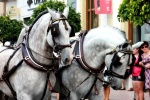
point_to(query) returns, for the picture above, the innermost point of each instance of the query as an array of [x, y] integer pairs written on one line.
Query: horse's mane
[[41, 14], [35, 20], [120, 31], [107, 36], [25, 29]]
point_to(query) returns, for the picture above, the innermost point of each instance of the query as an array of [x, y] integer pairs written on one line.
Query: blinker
[[55, 30]]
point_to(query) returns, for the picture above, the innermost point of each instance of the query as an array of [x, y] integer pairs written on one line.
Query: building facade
[[89, 20]]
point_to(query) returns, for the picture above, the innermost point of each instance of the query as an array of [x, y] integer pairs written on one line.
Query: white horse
[[26, 71], [102, 46]]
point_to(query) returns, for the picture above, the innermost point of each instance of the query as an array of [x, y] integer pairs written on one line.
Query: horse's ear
[[66, 11], [53, 14]]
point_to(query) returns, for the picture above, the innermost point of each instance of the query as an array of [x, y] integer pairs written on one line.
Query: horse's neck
[[38, 42], [95, 51], [93, 57]]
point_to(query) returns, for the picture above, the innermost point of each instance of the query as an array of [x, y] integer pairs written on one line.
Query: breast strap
[[79, 56], [6, 74], [30, 60]]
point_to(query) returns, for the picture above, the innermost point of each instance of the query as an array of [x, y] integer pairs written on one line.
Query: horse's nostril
[[66, 59]]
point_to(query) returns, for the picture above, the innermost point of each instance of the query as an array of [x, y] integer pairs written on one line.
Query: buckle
[[26, 58], [78, 56]]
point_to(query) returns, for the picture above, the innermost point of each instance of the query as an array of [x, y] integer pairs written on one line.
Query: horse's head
[[117, 62], [58, 34]]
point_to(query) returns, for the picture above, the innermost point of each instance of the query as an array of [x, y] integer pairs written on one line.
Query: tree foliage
[[73, 17], [9, 29], [135, 11]]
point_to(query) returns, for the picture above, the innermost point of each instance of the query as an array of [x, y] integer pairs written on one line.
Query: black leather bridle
[[109, 71]]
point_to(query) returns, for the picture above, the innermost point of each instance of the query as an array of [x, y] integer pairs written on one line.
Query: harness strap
[[11, 71], [47, 80], [10, 87], [89, 90], [79, 56], [96, 90], [5, 49], [82, 82], [6, 65], [6, 73], [112, 73], [6, 76], [28, 58]]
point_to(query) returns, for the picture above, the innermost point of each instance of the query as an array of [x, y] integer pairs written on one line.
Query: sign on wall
[[72, 3], [103, 6], [29, 2], [13, 12]]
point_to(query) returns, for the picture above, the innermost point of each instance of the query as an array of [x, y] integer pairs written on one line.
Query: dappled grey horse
[[93, 50], [26, 70]]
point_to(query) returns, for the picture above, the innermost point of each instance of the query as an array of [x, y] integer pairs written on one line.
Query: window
[[72, 3], [91, 17]]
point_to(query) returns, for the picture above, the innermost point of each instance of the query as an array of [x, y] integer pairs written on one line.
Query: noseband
[[109, 71]]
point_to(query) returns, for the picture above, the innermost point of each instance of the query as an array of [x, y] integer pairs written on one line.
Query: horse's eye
[[123, 57]]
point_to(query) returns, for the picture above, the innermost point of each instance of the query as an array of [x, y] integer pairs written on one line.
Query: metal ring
[[26, 58]]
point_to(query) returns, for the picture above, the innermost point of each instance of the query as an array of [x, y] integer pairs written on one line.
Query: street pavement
[[117, 95], [53, 96], [125, 95]]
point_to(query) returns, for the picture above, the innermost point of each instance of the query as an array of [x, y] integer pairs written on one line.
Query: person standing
[[146, 64], [137, 71], [106, 92]]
